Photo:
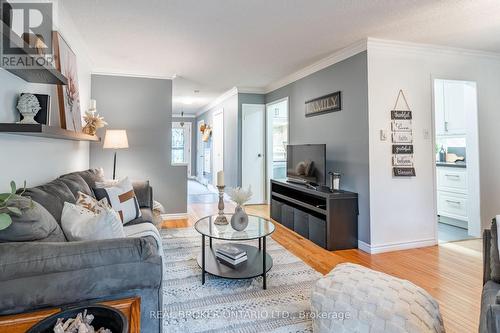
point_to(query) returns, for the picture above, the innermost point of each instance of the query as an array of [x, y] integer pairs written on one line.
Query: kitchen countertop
[[452, 165]]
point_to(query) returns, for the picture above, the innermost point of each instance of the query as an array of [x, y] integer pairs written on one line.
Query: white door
[[253, 148], [218, 144], [199, 152]]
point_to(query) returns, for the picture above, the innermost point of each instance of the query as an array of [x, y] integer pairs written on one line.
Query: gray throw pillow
[[494, 256], [35, 224]]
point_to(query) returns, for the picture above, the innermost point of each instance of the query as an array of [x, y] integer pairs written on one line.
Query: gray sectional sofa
[[40, 269], [489, 321]]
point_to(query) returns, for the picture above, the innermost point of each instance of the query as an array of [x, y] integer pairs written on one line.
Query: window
[[178, 140]]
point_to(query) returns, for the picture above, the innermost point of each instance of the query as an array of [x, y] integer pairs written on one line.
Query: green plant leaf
[[15, 211], [13, 187], [5, 221]]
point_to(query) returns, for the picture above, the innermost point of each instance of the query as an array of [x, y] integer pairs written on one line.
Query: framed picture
[[43, 116], [69, 95]]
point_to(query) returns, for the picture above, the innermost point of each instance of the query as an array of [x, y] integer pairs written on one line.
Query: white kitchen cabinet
[[452, 200], [450, 107]]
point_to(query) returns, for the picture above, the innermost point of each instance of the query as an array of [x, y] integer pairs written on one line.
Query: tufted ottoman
[[352, 298]]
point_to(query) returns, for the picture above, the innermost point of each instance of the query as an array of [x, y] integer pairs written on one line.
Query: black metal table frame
[[262, 247]]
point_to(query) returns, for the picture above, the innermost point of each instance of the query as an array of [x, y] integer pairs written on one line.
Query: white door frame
[[269, 147], [473, 170], [245, 154], [187, 143], [199, 152], [214, 137]]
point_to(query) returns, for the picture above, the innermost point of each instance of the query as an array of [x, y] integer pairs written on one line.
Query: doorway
[[181, 144], [253, 151], [218, 144], [457, 160], [277, 114], [200, 145]]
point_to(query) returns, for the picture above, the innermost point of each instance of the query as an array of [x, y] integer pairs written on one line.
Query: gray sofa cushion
[[52, 196], [76, 184], [146, 217], [490, 310], [35, 224], [494, 255], [90, 176]]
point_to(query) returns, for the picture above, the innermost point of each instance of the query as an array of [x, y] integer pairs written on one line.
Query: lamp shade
[[115, 139]]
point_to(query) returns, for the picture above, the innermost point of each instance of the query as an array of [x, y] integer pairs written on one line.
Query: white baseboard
[[374, 249], [174, 216]]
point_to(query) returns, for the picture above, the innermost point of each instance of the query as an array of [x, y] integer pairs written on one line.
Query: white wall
[[402, 209], [38, 160]]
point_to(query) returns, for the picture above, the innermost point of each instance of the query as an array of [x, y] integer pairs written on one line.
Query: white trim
[[138, 75], [230, 93], [178, 216], [178, 115], [334, 58], [398, 246], [277, 101], [429, 48]]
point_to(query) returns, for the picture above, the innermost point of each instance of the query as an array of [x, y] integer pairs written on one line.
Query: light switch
[[383, 135], [426, 134]]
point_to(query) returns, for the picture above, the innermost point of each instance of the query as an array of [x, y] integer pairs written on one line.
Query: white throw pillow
[[121, 197], [81, 224]]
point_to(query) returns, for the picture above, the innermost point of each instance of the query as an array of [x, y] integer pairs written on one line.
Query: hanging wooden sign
[[324, 104], [401, 115], [404, 172], [402, 149], [401, 126], [402, 137], [402, 160]]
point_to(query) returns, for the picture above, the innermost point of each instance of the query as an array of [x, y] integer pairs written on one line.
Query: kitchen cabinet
[[452, 199], [450, 107]]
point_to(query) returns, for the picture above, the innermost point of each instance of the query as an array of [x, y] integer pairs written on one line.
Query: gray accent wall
[[143, 107], [193, 140], [231, 139], [345, 133]]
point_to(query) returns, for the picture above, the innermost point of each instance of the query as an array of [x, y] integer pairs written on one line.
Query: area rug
[[224, 305]]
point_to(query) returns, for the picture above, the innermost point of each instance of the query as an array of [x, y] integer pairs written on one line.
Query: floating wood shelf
[[46, 132], [43, 73]]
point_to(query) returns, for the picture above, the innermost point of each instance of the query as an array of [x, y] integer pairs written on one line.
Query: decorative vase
[[239, 220]]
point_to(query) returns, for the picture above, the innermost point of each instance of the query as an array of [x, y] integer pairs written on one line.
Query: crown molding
[[428, 48], [138, 75], [178, 115], [251, 90], [230, 93], [334, 58]]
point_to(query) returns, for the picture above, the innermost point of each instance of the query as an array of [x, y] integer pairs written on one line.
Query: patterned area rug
[[224, 305]]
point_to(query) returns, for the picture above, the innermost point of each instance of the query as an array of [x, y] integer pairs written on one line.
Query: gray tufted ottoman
[[352, 298]]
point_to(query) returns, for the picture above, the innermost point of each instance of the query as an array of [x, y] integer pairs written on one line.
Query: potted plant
[[8, 207]]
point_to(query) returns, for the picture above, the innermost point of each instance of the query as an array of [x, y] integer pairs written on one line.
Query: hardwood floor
[[450, 272]]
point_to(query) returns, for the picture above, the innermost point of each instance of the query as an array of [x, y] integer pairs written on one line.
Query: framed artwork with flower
[[69, 95]]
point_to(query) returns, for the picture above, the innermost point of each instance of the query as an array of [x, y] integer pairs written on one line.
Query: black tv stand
[[329, 219]]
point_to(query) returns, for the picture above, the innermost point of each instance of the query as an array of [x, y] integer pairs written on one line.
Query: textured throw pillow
[[80, 224], [121, 197], [91, 203]]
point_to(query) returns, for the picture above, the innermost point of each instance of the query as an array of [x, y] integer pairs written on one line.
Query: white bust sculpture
[[28, 106]]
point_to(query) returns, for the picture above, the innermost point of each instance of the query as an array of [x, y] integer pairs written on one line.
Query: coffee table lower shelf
[[251, 268]]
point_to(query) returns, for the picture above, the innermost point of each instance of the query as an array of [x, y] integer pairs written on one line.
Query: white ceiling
[[214, 45]]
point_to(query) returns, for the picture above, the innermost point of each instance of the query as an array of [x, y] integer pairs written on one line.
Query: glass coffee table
[[259, 262]]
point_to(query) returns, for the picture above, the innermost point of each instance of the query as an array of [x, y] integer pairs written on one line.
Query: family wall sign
[[402, 140]]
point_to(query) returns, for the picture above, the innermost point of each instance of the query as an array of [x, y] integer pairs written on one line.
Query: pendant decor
[[402, 139]]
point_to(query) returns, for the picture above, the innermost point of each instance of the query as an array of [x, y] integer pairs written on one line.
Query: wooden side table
[[20, 323]]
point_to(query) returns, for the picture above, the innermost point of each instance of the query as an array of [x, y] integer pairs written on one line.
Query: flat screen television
[[306, 163]]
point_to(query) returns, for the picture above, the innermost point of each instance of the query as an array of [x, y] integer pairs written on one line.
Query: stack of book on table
[[231, 255]]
